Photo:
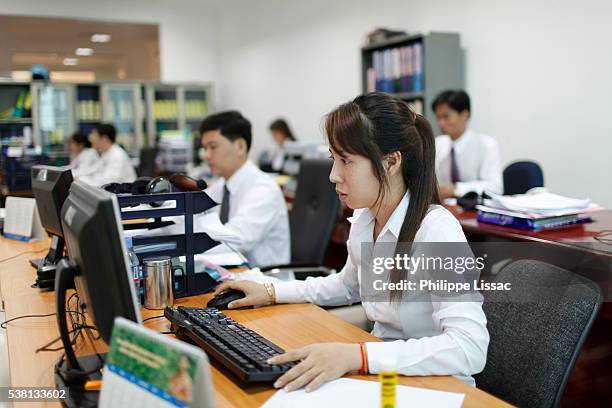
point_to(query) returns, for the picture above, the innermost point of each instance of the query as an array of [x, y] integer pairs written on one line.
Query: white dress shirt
[[278, 158], [424, 337], [85, 163], [257, 214], [114, 166], [478, 161]]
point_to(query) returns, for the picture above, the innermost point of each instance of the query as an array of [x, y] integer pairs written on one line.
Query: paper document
[[345, 392], [208, 223], [543, 203], [169, 204], [22, 221]]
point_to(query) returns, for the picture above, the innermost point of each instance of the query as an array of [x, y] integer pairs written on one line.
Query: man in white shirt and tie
[[252, 204], [465, 160], [114, 165]]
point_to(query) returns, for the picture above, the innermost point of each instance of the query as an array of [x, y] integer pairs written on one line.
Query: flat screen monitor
[[94, 238]]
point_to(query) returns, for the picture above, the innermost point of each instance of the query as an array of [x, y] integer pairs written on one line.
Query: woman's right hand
[[255, 293]]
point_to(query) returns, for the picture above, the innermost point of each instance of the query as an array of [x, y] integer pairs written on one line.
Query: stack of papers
[[208, 223], [345, 392], [535, 211], [541, 204]]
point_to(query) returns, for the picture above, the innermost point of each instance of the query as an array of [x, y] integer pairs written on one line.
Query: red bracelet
[[364, 359]]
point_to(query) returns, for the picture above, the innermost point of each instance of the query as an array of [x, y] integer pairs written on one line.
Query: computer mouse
[[223, 299]]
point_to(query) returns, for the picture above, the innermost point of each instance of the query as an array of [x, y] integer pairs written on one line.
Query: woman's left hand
[[320, 363]]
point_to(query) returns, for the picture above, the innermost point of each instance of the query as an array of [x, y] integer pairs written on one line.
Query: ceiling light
[[84, 52], [100, 38], [71, 61]]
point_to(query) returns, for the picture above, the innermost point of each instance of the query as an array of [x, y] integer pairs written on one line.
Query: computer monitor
[[98, 266], [50, 186]]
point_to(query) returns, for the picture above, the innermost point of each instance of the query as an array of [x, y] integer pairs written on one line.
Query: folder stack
[[536, 211]]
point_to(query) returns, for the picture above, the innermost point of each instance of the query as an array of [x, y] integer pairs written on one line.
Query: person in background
[[252, 204], [273, 161], [465, 160], [84, 159], [114, 165]]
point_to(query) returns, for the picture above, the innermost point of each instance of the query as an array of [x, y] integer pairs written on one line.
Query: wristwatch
[[270, 288]]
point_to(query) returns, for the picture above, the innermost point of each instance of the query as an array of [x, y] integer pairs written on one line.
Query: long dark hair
[[281, 125], [376, 124], [81, 139]]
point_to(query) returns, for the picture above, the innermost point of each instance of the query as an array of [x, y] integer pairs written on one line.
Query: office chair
[[537, 332], [312, 220], [521, 176], [147, 166]]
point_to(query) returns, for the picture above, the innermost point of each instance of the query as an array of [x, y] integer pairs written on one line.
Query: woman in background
[[273, 161], [84, 159]]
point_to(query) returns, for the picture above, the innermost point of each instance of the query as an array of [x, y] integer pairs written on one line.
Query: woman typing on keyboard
[[384, 169]]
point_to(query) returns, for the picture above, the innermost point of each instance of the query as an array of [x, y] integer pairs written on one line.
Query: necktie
[[454, 168], [225, 205]]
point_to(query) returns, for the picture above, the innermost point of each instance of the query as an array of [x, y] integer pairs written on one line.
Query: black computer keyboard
[[237, 348]]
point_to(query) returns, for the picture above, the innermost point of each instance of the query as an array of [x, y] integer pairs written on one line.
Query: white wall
[[187, 28], [538, 72]]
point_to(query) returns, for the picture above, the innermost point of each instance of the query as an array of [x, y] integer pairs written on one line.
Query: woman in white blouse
[[84, 159], [384, 168]]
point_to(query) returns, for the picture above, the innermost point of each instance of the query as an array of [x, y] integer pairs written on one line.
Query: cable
[[153, 317], [21, 254], [72, 340], [601, 237], [4, 323]]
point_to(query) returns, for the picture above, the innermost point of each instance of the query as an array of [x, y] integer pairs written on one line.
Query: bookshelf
[[15, 111], [46, 114], [122, 106], [415, 68], [88, 106], [53, 117]]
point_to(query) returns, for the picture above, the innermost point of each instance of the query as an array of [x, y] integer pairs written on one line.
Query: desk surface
[[578, 236], [289, 326]]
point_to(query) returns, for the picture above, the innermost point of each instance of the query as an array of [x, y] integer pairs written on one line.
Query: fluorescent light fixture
[[100, 38], [78, 77], [71, 61], [84, 52]]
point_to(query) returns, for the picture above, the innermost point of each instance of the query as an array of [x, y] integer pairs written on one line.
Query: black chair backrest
[[314, 212], [537, 331], [147, 165], [521, 176]]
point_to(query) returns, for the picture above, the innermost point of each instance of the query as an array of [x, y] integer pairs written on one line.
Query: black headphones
[[156, 185], [470, 200]]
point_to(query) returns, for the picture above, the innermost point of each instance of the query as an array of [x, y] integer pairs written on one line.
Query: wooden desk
[[580, 237], [289, 326]]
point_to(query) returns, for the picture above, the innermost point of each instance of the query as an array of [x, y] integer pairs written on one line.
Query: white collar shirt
[[478, 161], [257, 215], [85, 163], [425, 338], [114, 166]]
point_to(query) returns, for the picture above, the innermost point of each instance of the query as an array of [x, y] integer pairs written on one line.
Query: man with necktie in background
[[465, 160], [252, 205]]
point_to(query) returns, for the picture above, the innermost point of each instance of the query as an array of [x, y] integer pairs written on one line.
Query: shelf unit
[[392, 66], [88, 106], [52, 112], [177, 106], [122, 106], [15, 115]]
